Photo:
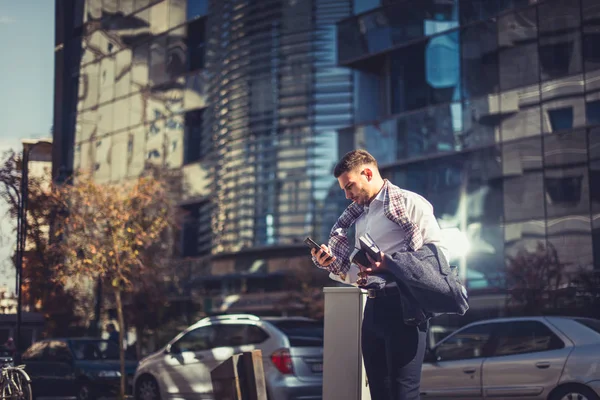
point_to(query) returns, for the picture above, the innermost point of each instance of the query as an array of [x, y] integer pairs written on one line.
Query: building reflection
[[489, 110], [242, 99]]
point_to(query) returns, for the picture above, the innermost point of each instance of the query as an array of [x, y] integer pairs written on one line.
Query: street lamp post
[[28, 146]]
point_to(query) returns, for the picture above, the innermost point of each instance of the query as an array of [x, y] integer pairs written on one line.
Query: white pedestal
[[344, 375]]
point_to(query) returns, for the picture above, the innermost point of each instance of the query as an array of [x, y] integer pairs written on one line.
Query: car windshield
[[591, 323], [301, 333], [95, 350]]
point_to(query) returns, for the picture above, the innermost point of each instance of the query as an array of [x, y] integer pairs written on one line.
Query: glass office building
[[491, 110], [277, 100], [243, 98]]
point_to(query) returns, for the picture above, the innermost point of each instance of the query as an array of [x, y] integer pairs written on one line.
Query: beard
[[362, 198]]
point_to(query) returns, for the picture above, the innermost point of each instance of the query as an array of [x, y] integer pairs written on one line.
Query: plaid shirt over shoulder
[[395, 211]]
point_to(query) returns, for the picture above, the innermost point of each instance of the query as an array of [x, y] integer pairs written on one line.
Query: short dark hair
[[353, 159]]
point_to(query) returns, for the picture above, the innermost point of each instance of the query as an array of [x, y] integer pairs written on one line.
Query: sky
[[26, 91]]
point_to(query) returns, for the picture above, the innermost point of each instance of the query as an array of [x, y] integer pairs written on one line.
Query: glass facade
[[277, 99], [244, 97], [491, 110]]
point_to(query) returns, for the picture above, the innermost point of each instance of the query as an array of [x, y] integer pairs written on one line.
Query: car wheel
[[85, 392], [574, 392], [147, 389]]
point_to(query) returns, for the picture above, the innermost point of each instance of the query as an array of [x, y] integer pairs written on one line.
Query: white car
[[292, 349], [537, 358]]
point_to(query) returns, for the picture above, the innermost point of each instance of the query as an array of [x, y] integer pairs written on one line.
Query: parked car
[[86, 368], [292, 349], [550, 358]]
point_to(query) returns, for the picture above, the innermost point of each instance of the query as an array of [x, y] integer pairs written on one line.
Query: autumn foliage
[[107, 231]]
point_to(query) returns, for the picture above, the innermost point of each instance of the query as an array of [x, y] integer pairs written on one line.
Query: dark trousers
[[392, 351]]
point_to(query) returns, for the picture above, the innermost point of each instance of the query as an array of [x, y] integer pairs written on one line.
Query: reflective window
[[563, 103], [518, 58], [479, 59], [566, 148], [196, 42], [521, 337], [468, 203], [233, 335], [477, 127], [389, 26], [196, 232], [567, 191], [523, 195], [432, 130], [370, 101], [425, 73], [560, 38], [478, 10], [591, 34], [200, 339], [301, 333], [349, 40], [561, 118], [361, 6], [592, 112], [472, 342], [194, 144]]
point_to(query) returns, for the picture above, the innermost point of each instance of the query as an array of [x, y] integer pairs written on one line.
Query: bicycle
[[15, 384]]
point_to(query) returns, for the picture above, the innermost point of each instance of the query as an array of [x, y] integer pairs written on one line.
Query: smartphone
[[313, 245]]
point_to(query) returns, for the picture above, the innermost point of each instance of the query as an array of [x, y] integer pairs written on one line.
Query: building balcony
[[385, 28]]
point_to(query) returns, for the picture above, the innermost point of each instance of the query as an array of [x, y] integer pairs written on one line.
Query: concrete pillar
[[343, 370]]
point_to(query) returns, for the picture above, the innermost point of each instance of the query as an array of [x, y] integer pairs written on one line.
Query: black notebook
[[370, 247]]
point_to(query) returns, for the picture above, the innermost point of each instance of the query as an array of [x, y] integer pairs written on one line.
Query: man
[[113, 334], [10, 347], [398, 221]]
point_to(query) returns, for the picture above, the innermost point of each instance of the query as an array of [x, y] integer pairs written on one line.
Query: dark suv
[[83, 367]]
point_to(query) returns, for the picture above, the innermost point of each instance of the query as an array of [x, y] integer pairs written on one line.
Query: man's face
[[356, 184]]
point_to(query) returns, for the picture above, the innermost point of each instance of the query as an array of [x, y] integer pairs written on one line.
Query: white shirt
[[389, 236]]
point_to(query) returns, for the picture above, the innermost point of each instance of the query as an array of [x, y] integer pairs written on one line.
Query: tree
[[534, 279], [107, 232], [40, 290]]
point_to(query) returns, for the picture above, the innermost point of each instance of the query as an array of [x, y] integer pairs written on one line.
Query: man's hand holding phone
[[321, 253], [323, 256]]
